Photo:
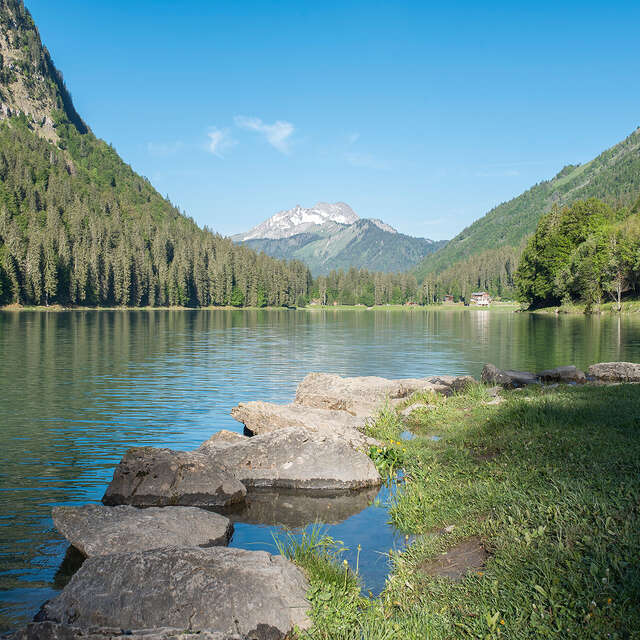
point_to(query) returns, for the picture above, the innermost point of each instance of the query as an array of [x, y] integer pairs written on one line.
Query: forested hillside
[[79, 226], [485, 254], [588, 252]]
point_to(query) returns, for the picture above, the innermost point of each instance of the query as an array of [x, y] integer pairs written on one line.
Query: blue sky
[[423, 114]]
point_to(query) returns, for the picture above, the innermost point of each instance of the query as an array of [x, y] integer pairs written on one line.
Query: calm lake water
[[79, 388]]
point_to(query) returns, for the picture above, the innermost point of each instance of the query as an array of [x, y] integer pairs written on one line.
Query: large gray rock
[[568, 374], [219, 590], [149, 477], [95, 530], [292, 458], [55, 631], [615, 372], [265, 417], [508, 379], [364, 396]]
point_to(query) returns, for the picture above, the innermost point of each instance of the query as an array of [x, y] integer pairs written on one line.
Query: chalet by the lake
[[481, 298]]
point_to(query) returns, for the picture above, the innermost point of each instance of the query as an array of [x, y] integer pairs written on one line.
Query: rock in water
[[615, 372], [148, 477], [364, 396], [219, 590], [568, 374], [292, 458], [265, 417], [96, 530], [507, 379]]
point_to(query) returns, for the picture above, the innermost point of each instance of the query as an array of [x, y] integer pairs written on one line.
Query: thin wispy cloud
[[278, 134], [352, 138], [220, 141]]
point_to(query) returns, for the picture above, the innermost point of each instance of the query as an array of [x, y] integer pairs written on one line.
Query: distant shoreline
[[607, 308], [56, 308]]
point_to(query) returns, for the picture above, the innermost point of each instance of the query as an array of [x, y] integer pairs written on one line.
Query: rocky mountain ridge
[[332, 236], [291, 222], [30, 85]]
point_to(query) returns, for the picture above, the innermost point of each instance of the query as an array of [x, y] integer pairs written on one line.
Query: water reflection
[[368, 528], [294, 509]]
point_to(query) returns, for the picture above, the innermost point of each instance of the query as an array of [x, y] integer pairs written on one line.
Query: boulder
[[266, 417], [147, 477], [615, 372], [55, 631], [95, 530], [508, 379], [293, 458], [217, 590], [568, 374], [364, 396]]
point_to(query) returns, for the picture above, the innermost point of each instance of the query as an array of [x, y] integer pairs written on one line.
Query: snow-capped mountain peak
[[285, 224]]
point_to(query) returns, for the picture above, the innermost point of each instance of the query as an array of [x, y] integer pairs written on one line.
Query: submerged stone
[[95, 530], [295, 509]]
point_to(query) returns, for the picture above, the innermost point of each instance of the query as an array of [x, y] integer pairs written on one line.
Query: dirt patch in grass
[[468, 555], [485, 455]]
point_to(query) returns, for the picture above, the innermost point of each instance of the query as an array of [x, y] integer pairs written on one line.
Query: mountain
[[477, 254], [331, 236], [300, 220], [78, 226], [29, 81]]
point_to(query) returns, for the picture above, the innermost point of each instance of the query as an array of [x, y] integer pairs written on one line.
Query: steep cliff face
[[29, 82]]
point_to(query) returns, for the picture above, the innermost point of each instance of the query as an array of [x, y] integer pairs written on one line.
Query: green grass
[[549, 480], [627, 306]]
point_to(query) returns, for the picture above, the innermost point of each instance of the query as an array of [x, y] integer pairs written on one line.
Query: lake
[[79, 388]]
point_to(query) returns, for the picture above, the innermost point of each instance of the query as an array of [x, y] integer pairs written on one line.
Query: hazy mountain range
[[332, 236]]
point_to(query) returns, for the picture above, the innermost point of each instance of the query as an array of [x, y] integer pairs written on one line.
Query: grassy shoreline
[[630, 306], [548, 482]]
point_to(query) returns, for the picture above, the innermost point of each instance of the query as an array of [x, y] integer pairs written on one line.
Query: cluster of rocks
[[157, 564], [601, 373]]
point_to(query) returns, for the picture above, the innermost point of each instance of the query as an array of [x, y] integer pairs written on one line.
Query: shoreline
[[628, 308], [606, 308], [502, 307]]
